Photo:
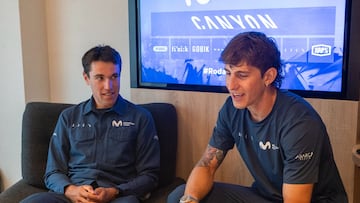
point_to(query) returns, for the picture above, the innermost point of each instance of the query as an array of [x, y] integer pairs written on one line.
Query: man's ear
[[270, 75], [86, 78]]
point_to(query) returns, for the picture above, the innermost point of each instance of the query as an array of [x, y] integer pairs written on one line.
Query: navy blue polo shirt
[[116, 147], [290, 145]]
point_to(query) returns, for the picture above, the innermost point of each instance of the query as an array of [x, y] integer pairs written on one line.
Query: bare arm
[[297, 193], [201, 177]]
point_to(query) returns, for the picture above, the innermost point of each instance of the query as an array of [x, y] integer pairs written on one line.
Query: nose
[[108, 84], [231, 83]]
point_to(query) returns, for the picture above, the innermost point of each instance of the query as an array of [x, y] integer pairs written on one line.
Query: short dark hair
[[103, 53], [254, 49]]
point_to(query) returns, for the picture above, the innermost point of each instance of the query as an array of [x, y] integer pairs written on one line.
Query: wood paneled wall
[[197, 113]]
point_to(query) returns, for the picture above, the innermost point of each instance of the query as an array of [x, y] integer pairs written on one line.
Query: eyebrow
[[237, 71], [99, 74]]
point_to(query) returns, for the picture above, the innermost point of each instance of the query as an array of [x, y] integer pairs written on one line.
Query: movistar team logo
[[121, 123], [267, 146]]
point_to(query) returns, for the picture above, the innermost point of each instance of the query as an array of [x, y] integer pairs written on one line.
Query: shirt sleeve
[[147, 163], [56, 178], [302, 144], [222, 137]]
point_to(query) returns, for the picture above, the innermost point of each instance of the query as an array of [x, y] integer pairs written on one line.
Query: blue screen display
[[181, 40]]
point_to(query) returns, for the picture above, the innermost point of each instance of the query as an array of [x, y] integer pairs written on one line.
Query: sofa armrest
[[18, 191]]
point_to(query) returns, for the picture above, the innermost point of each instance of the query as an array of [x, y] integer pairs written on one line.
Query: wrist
[[114, 193], [117, 193], [67, 188], [188, 199]]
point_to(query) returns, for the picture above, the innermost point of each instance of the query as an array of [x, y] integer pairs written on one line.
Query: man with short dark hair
[[104, 149], [281, 138]]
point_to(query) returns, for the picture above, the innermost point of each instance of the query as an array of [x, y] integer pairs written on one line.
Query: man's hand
[[79, 194], [103, 195], [86, 194]]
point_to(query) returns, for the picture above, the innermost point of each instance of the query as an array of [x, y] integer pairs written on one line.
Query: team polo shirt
[[290, 145], [116, 147]]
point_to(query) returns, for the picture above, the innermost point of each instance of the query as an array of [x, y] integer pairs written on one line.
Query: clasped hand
[[86, 194]]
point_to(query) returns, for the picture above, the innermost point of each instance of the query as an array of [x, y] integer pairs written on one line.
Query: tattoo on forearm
[[211, 154]]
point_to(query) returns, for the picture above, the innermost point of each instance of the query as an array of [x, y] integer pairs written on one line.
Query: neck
[[264, 106]]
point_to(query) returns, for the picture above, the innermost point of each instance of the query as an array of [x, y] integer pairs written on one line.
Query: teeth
[[237, 94]]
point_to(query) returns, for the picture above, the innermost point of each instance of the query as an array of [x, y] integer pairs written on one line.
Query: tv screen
[[179, 42]]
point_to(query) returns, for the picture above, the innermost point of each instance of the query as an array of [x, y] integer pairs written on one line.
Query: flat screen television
[[176, 44]]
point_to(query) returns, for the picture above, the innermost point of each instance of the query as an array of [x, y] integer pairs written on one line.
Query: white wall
[[43, 61], [73, 27], [12, 99], [34, 49]]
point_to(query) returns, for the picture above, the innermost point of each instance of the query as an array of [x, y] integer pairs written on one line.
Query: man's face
[[104, 81], [246, 85]]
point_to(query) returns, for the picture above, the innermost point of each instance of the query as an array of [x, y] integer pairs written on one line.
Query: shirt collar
[[119, 106]]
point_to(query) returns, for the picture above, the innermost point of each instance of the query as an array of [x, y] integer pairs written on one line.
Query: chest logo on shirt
[[121, 123], [267, 146]]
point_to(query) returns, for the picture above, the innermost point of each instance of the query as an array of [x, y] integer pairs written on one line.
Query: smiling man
[[281, 138], [104, 149]]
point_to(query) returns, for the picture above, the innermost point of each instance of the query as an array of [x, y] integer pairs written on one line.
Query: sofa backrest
[[165, 118], [39, 120]]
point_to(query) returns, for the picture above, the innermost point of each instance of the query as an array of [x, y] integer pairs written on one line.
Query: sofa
[[39, 119]]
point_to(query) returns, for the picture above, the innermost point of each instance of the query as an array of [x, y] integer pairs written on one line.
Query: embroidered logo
[[304, 156], [81, 125], [121, 123]]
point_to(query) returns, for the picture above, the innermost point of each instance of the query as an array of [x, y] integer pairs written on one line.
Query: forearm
[[201, 178], [147, 161], [139, 186], [56, 174], [297, 193], [57, 182], [199, 182]]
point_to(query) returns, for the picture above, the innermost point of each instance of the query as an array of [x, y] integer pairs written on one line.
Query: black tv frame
[[351, 60]]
